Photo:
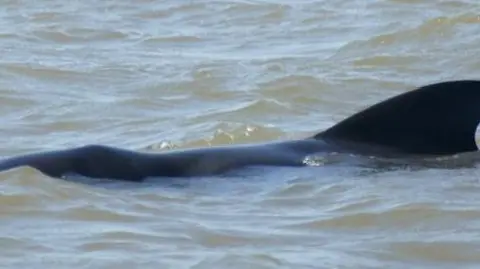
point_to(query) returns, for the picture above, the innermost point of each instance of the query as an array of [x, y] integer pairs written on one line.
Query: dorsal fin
[[436, 119]]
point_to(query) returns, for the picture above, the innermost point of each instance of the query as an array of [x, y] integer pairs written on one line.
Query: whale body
[[433, 120]]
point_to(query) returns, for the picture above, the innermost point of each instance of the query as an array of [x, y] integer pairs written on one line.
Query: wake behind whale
[[434, 120]]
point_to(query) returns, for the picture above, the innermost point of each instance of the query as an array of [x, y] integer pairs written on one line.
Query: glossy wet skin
[[208, 161]]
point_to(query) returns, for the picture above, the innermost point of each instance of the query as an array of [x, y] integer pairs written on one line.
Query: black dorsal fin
[[436, 119]]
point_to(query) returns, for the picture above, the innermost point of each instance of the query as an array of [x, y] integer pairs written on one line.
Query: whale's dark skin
[[433, 120], [98, 161]]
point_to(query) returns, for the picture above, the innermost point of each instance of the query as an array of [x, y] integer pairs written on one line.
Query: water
[[154, 75]]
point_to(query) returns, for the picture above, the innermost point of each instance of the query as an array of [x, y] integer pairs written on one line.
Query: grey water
[[156, 75]]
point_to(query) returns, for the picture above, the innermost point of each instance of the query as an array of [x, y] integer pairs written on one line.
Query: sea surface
[[155, 75]]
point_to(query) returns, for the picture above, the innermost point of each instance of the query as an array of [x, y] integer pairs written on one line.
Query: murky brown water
[[149, 75]]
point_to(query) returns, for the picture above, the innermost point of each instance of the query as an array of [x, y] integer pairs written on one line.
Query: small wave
[[77, 35], [172, 39], [224, 134]]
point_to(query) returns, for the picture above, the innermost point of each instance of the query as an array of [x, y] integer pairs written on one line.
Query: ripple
[[435, 252], [256, 260], [412, 215], [173, 39]]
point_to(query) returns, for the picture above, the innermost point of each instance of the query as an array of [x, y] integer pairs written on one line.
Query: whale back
[[436, 119]]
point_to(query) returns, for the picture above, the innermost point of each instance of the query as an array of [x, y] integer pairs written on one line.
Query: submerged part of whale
[[433, 120]]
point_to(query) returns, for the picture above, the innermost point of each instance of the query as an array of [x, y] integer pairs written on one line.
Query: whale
[[437, 119]]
